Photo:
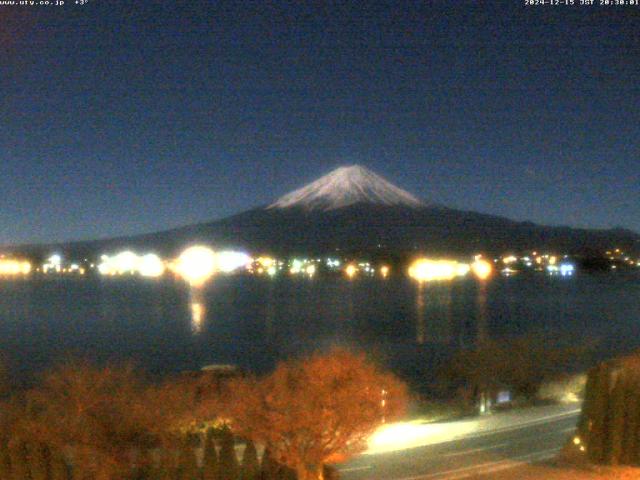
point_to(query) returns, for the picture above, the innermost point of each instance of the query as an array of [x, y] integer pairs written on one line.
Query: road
[[473, 449]]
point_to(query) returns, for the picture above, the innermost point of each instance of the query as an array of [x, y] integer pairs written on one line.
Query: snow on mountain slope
[[347, 186]]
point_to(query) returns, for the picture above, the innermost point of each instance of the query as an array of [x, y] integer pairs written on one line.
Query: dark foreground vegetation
[[523, 366], [609, 428], [87, 422], [83, 421]]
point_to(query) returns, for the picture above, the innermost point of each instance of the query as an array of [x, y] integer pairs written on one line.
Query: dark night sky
[[128, 117]]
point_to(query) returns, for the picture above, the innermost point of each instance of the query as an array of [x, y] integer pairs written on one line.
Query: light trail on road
[[498, 442]]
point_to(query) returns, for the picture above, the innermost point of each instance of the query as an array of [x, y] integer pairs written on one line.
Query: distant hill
[[355, 210]]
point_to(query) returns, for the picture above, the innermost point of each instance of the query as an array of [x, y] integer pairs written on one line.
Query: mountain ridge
[[355, 210]]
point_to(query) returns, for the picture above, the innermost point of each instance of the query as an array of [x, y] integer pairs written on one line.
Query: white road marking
[[509, 464], [542, 420], [488, 467], [355, 469], [500, 445], [474, 450]]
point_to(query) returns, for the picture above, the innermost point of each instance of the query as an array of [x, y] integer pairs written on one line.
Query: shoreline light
[[196, 264], [296, 266], [229, 261], [150, 265], [428, 270], [14, 267], [351, 271], [53, 263], [481, 269], [126, 262], [567, 269], [384, 271], [130, 263]]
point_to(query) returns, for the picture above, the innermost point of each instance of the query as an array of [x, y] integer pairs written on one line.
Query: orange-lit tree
[[105, 416], [317, 410]]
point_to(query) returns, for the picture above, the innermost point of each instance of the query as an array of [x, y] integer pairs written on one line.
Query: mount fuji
[[354, 210], [344, 187]]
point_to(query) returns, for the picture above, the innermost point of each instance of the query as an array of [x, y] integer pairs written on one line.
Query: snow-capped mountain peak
[[347, 186]]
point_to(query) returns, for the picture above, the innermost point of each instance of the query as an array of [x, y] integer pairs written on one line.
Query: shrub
[[228, 462], [5, 460], [39, 461], [210, 458], [250, 468], [187, 462], [19, 461], [59, 468]]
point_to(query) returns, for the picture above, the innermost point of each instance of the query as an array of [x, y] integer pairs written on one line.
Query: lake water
[[252, 322]]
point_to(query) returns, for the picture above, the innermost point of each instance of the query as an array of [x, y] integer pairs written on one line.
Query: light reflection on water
[[270, 313], [434, 319], [421, 326], [197, 316], [481, 319], [197, 299], [253, 322]]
